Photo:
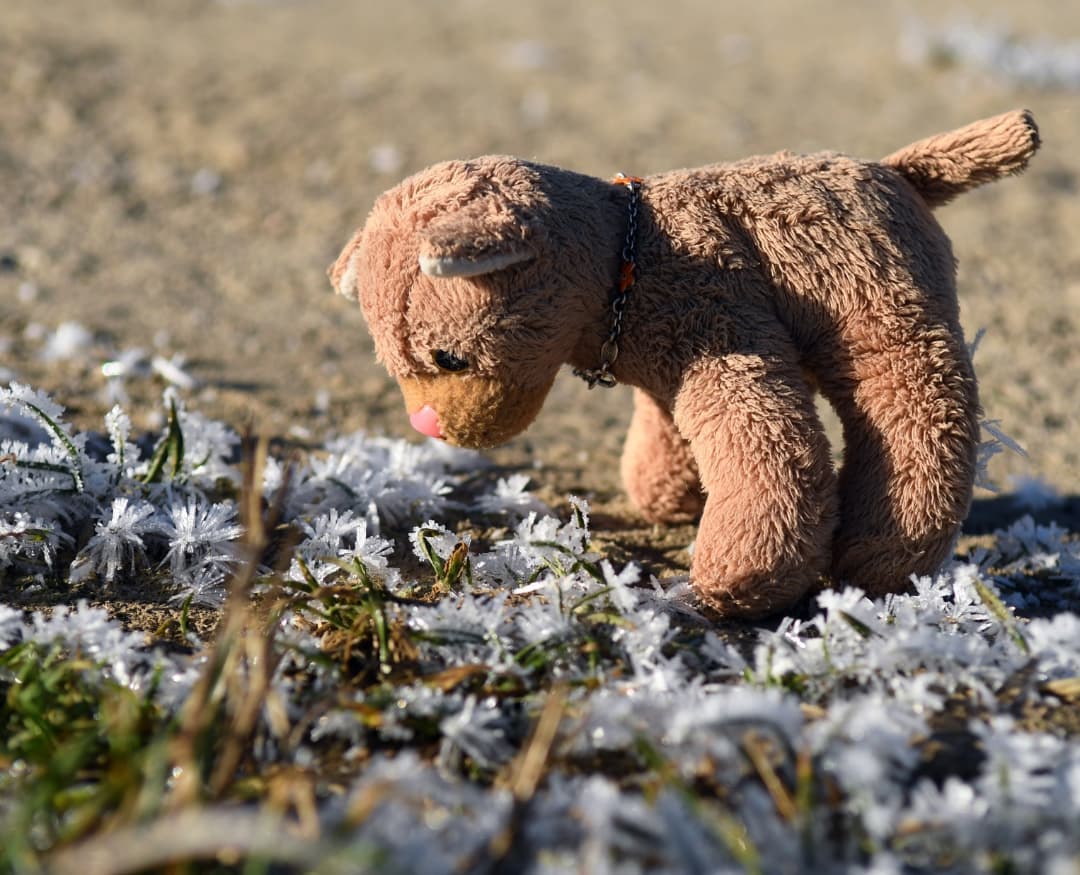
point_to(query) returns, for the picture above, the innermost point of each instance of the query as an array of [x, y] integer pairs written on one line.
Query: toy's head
[[455, 273]]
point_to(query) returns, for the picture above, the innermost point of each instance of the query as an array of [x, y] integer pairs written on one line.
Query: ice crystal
[[334, 537], [201, 535], [173, 371], [510, 497], [34, 403], [386, 481], [90, 633], [479, 730], [118, 539], [25, 538], [434, 536], [124, 454], [69, 340]]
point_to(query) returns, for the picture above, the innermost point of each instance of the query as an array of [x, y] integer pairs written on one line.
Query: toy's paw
[[886, 562], [757, 596]]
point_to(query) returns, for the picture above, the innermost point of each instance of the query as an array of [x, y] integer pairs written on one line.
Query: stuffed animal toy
[[726, 296]]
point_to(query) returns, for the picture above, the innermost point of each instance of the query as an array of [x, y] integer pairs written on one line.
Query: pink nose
[[426, 421]]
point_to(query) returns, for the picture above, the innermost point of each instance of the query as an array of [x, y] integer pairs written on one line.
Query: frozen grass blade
[[757, 751], [220, 718], [207, 836], [84, 749], [62, 439], [732, 834], [1002, 614], [35, 465], [525, 775], [47, 413], [858, 625], [528, 769], [169, 452]]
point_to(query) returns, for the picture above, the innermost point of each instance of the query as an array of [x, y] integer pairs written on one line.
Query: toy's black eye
[[448, 361]]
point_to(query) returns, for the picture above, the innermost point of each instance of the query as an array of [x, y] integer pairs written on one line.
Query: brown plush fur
[[757, 282]]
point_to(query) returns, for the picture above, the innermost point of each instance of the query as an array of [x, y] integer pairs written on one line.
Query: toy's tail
[[946, 165]]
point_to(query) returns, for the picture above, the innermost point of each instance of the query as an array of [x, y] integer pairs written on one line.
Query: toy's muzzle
[[470, 411]]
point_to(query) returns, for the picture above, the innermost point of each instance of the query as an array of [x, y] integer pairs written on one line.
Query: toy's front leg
[[771, 505], [658, 468]]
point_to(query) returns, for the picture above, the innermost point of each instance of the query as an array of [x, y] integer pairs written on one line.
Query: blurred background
[[175, 177]]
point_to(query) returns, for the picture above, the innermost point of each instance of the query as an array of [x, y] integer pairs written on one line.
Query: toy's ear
[[480, 238], [342, 272]]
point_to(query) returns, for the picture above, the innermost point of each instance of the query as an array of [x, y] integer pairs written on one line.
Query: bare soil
[[177, 176]]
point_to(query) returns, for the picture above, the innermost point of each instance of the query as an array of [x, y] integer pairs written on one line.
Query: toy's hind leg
[[658, 468], [910, 414]]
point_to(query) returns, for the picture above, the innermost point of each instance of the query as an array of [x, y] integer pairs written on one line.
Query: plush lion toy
[[725, 295]]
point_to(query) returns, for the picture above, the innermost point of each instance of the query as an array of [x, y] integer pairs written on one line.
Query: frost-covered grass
[[419, 668]]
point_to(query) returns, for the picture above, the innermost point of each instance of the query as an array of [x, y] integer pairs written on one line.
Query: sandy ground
[[177, 175]]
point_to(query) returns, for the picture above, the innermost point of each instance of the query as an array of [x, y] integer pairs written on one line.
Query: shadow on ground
[[990, 514]]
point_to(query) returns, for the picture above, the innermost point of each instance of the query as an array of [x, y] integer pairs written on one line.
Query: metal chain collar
[[602, 376]]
